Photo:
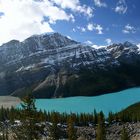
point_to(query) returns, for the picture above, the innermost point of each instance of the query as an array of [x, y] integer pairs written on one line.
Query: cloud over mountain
[[20, 19]]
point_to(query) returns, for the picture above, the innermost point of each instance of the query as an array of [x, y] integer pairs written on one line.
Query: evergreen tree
[[2, 114], [124, 134], [95, 117], [100, 132], [110, 117], [54, 129], [70, 129], [29, 129]]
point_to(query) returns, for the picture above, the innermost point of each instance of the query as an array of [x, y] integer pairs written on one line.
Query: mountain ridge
[[52, 64]]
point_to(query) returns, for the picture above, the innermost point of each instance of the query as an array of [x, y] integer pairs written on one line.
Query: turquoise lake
[[110, 102]]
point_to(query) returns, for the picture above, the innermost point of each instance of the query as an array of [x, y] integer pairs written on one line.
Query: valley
[[111, 102], [68, 80], [69, 70]]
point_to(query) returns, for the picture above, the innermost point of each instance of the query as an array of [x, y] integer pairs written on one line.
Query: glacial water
[[109, 102]]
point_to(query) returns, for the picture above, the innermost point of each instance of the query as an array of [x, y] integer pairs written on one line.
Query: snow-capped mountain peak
[[54, 57]]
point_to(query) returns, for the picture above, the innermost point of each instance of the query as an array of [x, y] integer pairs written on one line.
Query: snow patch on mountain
[[29, 62]]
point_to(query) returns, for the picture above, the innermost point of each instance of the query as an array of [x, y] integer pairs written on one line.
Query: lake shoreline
[[96, 94], [113, 102], [9, 101]]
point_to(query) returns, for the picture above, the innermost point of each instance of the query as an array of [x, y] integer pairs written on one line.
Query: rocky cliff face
[[125, 52], [46, 63]]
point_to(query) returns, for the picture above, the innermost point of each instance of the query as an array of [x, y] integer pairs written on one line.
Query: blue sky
[[98, 22]]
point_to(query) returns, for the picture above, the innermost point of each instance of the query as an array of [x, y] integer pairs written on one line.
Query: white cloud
[[69, 37], [138, 46], [74, 30], [129, 29], [75, 6], [23, 18], [98, 47], [90, 27], [98, 3], [88, 42], [108, 41], [95, 27], [99, 29], [82, 29], [121, 7], [95, 46]]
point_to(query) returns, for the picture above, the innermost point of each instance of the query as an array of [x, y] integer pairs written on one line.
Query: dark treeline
[[130, 114], [82, 119]]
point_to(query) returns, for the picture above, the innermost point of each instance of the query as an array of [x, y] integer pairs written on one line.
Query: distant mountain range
[[53, 65]]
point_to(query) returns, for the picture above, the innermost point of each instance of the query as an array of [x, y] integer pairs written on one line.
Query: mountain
[[53, 65], [126, 52]]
